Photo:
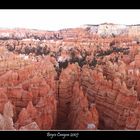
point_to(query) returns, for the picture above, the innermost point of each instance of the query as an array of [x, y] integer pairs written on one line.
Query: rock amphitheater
[[85, 78]]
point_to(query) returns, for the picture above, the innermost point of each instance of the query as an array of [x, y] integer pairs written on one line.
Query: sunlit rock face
[[31, 89], [82, 114], [85, 78]]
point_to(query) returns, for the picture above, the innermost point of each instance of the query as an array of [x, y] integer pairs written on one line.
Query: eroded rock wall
[[70, 79]]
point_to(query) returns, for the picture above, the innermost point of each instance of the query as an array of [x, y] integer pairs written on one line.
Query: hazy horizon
[[60, 19]]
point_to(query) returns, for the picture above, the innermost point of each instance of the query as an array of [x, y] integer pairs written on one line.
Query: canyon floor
[[85, 78]]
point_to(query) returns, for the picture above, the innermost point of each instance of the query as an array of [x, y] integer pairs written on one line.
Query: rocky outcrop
[[113, 99], [67, 78], [31, 88], [6, 121], [84, 78], [82, 115]]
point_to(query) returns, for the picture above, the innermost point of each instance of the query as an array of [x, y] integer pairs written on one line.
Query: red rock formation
[[3, 98], [17, 85], [82, 116], [71, 73], [6, 119], [82, 78], [112, 98]]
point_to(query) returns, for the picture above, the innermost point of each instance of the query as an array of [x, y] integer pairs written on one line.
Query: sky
[[59, 19]]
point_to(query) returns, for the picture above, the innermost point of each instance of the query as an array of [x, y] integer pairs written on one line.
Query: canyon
[[85, 78]]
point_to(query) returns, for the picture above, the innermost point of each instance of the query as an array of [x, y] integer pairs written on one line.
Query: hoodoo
[[85, 78]]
